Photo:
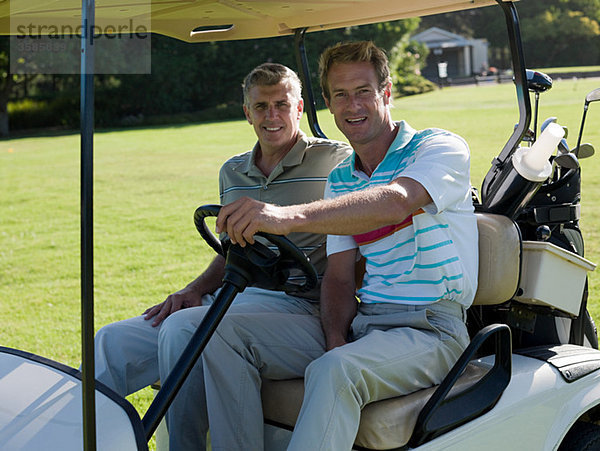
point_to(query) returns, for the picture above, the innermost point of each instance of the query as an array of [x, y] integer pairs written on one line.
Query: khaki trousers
[[395, 349]]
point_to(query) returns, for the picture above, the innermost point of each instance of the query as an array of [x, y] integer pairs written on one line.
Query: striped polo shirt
[[298, 178], [431, 255]]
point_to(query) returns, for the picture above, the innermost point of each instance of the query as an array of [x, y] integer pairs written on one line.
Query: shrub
[[406, 60]]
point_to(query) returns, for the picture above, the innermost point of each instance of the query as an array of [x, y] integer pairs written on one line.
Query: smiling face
[[275, 114], [360, 107]]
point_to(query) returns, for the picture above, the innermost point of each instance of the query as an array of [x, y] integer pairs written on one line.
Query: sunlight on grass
[[148, 183]]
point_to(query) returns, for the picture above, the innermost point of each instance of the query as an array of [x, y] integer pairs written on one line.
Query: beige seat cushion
[[499, 259], [383, 424]]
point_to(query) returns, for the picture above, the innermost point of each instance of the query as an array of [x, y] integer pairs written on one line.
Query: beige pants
[[396, 349], [132, 354]]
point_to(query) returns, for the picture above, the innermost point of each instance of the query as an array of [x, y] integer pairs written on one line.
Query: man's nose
[[272, 112], [353, 102]]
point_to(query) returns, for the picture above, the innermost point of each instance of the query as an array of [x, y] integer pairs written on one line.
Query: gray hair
[[269, 74]]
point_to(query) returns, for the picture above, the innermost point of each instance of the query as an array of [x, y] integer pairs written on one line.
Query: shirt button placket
[[263, 192]]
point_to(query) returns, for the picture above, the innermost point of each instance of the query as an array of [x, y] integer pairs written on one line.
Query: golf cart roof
[[217, 20]]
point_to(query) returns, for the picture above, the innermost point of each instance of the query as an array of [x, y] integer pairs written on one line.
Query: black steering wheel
[[256, 264]]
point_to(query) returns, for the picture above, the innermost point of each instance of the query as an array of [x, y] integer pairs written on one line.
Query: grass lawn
[[562, 70], [148, 183]]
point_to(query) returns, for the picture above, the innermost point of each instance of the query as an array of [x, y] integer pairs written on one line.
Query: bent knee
[[111, 335], [333, 364], [181, 325]]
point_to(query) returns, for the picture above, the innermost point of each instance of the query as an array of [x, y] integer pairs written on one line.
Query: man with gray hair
[[284, 167]]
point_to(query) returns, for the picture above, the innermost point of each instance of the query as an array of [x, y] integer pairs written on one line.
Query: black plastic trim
[[132, 414], [572, 361], [557, 214], [442, 413]]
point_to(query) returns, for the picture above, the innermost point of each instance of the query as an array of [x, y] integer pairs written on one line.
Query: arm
[[191, 294], [350, 214], [338, 303]]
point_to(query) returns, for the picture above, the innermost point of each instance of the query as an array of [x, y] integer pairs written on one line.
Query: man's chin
[[275, 141], [355, 136]]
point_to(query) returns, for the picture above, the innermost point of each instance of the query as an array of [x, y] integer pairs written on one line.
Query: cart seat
[[389, 423]]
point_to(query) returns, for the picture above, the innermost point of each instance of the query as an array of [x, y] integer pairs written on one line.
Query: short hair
[[269, 74], [354, 52]]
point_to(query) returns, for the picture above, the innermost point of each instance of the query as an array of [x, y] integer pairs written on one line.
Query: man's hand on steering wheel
[[243, 218], [257, 264]]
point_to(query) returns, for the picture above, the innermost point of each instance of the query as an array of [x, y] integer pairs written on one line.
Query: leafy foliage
[[406, 61], [189, 78], [554, 32]]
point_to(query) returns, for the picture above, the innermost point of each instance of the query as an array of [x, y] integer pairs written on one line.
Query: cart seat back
[[499, 259]]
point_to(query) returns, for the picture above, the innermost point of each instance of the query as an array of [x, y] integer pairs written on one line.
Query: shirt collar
[[293, 158], [403, 137]]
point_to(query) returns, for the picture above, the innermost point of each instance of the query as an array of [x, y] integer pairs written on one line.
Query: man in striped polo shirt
[[285, 166], [402, 201]]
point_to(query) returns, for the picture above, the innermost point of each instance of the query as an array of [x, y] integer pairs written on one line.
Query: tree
[[406, 61], [562, 34], [188, 77], [6, 81], [554, 32]]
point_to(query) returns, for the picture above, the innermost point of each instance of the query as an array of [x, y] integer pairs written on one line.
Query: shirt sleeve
[[337, 243], [442, 168]]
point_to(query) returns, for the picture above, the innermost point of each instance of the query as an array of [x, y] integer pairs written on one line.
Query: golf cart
[[530, 378]]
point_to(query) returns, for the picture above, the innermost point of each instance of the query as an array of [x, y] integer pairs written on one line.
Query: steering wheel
[[257, 264]]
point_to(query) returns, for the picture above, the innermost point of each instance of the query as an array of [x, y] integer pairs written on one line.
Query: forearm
[[191, 295], [210, 279], [350, 214], [357, 212], [338, 309]]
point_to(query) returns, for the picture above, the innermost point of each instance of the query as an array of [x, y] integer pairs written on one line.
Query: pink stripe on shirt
[[378, 234]]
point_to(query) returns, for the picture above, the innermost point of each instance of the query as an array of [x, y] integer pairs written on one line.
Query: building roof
[[435, 37]]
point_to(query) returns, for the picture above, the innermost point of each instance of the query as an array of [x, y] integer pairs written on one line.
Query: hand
[[184, 298], [244, 217]]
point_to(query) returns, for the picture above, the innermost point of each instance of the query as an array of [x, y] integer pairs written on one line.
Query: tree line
[[193, 82], [556, 33], [186, 81]]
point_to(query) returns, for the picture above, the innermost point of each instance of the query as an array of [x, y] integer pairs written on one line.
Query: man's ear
[[326, 102], [387, 93], [300, 108], [246, 114]]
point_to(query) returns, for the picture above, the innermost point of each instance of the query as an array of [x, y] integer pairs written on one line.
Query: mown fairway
[[148, 183]]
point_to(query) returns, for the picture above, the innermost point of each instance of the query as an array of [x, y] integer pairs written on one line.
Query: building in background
[[452, 55]]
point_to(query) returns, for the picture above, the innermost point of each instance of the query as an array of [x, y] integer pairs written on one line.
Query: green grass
[[558, 70], [148, 183]]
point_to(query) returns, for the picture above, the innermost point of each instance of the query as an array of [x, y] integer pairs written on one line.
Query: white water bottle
[[532, 163]]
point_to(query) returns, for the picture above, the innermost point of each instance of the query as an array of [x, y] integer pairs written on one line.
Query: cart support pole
[[87, 225], [310, 105], [190, 355], [524, 104]]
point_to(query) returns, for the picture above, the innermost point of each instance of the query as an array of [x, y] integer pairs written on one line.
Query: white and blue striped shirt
[[432, 255]]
